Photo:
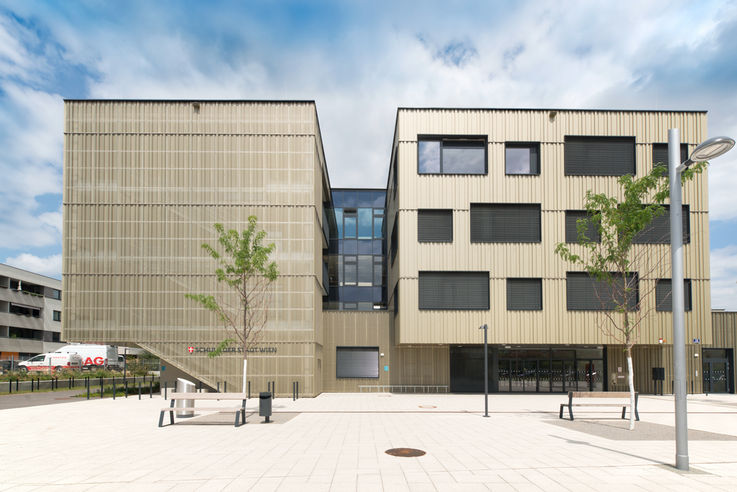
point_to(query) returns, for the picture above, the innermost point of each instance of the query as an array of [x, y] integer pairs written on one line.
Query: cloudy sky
[[359, 61]]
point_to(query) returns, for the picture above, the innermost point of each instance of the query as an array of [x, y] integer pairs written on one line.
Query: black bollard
[[151, 387], [298, 390], [249, 389], [125, 383], [113, 387], [139, 390], [10, 386], [87, 380], [218, 386], [166, 386], [225, 386]]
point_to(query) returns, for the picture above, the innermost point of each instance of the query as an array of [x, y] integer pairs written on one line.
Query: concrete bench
[[240, 411], [621, 396]]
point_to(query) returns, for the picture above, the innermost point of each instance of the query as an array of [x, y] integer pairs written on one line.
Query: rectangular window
[[572, 218], [349, 223], [457, 155], [357, 362], [599, 156], [658, 231], [505, 223], [365, 223], [524, 294], [522, 158], [585, 293], [663, 299], [395, 170], [454, 290], [365, 270], [57, 315], [350, 273], [434, 226], [660, 154], [396, 299]]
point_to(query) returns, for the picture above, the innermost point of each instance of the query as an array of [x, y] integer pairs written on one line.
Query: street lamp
[[709, 149]]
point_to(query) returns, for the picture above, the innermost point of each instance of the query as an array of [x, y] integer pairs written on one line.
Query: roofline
[[28, 271], [281, 101], [585, 110], [357, 189]]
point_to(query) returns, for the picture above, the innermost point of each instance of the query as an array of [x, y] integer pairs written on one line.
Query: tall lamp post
[[709, 149]]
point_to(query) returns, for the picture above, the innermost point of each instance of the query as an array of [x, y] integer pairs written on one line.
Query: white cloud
[[49, 266], [724, 278]]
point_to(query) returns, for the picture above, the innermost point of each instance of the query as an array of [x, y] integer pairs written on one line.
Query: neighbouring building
[[378, 288], [30, 313]]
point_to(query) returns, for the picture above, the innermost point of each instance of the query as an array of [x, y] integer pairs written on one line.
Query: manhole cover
[[405, 452], [428, 406]]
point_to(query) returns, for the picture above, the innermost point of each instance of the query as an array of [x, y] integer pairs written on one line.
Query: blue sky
[[359, 61]]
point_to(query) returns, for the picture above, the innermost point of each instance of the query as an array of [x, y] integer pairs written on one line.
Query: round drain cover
[[405, 452]]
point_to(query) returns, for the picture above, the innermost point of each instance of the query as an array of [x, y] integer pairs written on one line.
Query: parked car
[[52, 361]]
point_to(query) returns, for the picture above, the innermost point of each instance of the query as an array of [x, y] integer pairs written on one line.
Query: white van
[[93, 355], [53, 361]]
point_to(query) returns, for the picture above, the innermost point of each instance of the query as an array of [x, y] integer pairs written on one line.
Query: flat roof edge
[[586, 110], [275, 101]]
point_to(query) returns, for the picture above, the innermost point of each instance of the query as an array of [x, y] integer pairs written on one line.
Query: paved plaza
[[338, 442]]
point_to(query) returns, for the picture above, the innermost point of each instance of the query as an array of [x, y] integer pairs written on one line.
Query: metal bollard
[[101, 390], [218, 387], [87, 381], [16, 385], [294, 391], [139, 390], [10, 386], [273, 389], [298, 390], [151, 388], [113, 387], [166, 386], [125, 383], [249, 389], [225, 386], [199, 386], [31, 385]]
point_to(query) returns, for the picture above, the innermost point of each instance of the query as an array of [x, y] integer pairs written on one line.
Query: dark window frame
[[430, 211], [512, 280], [599, 306], [56, 315], [478, 139], [641, 238], [448, 273], [569, 164], [569, 213], [474, 237], [522, 145], [664, 302], [347, 348], [659, 148]]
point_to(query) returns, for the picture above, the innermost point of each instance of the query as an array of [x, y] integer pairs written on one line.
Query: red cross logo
[[191, 349]]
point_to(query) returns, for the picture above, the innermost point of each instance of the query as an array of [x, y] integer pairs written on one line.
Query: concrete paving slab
[[338, 442]]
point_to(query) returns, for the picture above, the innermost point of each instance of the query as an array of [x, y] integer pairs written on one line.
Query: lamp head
[[709, 149]]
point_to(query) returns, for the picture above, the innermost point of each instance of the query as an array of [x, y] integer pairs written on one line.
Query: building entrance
[[717, 371], [527, 369]]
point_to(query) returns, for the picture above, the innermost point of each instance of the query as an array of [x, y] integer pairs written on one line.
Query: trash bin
[[185, 407], [264, 405]]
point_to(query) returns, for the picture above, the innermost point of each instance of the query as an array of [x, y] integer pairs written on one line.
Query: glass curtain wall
[[356, 263]]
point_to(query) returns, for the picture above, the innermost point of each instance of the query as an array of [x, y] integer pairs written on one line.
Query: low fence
[[403, 388], [90, 387]]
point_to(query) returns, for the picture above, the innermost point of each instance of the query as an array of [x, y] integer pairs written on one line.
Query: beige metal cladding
[[355, 329], [144, 182], [556, 193]]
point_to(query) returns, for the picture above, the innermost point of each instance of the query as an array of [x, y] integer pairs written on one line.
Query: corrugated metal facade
[[555, 193], [144, 182]]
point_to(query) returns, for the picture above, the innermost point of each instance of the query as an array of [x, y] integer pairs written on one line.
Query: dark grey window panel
[[396, 299], [660, 154], [454, 290], [658, 231], [599, 156], [663, 298], [395, 244], [585, 293], [505, 223], [524, 294], [434, 226], [572, 218], [357, 362]]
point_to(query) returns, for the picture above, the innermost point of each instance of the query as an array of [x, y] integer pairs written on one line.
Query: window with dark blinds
[[454, 290], [599, 156], [585, 293], [434, 226], [572, 218], [660, 154], [357, 362], [658, 231], [524, 294], [505, 223], [663, 299]]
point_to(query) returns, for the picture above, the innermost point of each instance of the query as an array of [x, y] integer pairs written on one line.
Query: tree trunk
[[631, 381], [245, 363]]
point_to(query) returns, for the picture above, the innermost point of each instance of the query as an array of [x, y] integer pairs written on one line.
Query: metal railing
[[403, 388]]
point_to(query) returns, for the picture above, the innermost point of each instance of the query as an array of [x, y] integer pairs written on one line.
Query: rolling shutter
[[454, 290], [663, 299], [357, 362], [599, 156], [505, 223], [435, 226], [585, 293], [524, 294], [572, 217]]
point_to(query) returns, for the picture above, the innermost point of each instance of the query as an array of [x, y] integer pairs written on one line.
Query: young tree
[[613, 262], [245, 267]]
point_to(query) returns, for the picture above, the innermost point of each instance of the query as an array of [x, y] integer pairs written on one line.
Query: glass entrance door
[[716, 376], [588, 375]]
